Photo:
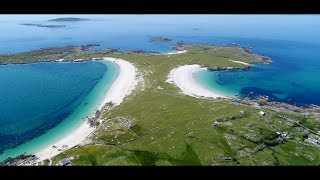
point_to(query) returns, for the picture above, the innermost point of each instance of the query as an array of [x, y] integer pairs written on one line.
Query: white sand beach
[[59, 60], [240, 62], [121, 87], [183, 78], [171, 53], [178, 52]]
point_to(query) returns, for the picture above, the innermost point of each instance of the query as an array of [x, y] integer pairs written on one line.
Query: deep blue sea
[[292, 41]]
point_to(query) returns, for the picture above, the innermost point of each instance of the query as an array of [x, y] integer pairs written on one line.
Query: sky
[[276, 25]]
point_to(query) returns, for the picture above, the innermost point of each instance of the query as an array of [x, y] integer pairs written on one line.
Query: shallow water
[[291, 78], [290, 40], [48, 99]]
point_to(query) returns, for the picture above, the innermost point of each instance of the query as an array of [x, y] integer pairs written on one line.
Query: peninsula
[[169, 119]]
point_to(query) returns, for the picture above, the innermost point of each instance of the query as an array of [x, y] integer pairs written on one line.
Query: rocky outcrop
[[19, 160], [160, 39], [178, 46], [113, 50], [264, 101], [88, 46], [137, 51], [227, 68], [265, 60], [247, 49], [93, 120]]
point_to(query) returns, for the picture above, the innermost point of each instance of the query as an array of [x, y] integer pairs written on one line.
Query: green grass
[[40, 55], [169, 128]]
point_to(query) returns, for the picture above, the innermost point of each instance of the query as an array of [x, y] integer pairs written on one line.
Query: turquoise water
[[42, 102], [206, 79], [292, 41], [292, 78]]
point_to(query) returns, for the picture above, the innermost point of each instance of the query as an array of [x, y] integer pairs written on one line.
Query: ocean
[[292, 77], [42, 102], [291, 41]]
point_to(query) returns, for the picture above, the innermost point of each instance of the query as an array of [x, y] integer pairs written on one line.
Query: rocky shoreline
[[93, 121], [88, 46], [179, 46], [227, 68], [263, 101], [19, 160]]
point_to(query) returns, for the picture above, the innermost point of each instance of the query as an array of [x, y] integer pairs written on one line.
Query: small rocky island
[[56, 20], [69, 19], [160, 39]]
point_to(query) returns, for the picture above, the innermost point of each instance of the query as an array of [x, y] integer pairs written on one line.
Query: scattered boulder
[[262, 113], [216, 123]]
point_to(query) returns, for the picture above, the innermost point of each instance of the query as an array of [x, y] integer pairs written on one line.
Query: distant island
[[160, 39], [69, 19], [44, 25]]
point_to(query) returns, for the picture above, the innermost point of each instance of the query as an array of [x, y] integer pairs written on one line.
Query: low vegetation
[[158, 125]]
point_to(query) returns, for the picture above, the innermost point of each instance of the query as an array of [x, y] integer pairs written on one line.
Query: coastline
[[183, 78], [121, 87]]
